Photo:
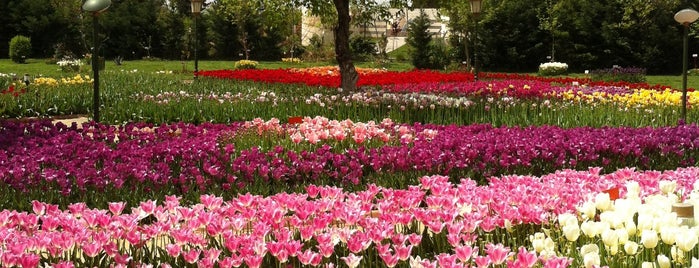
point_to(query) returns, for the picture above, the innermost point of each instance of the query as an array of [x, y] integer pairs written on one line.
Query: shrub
[[20, 48], [616, 74], [362, 47], [552, 68], [245, 65]]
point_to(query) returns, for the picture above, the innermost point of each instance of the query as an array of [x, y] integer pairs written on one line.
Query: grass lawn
[[39, 67]]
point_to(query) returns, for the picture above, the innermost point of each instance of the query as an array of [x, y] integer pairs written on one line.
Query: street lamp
[[475, 11], [685, 17], [196, 11], [96, 7]]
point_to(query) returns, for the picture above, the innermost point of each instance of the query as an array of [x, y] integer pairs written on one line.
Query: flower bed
[[295, 76], [429, 224], [181, 158]]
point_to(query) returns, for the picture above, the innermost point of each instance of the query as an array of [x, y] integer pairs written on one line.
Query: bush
[[362, 47], [552, 68], [245, 65], [439, 55], [20, 48], [616, 73]]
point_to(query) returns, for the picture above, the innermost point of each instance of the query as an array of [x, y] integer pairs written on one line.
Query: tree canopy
[[513, 35]]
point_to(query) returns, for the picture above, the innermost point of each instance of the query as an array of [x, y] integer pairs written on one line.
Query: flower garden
[[280, 168]]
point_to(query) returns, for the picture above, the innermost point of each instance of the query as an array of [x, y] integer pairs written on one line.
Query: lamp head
[[476, 6], [96, 6], [686, 16], [196, 6]]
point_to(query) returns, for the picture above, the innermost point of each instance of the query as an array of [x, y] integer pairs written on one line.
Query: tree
[[419, 39]]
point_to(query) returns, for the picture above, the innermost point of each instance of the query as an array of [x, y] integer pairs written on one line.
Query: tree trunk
[[348, 74]]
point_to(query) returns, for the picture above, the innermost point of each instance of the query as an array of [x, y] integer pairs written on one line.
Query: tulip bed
[[416, 169], [54, 162], [432, 223]]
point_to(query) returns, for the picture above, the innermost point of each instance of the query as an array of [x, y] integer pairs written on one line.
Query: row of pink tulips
[[318, 227], [186, 155]]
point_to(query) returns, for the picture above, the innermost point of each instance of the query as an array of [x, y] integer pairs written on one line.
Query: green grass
[[39, 67]]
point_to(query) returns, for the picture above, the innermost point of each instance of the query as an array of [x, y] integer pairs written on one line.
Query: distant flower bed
[[329, 78], [245, 65], [553, 68]]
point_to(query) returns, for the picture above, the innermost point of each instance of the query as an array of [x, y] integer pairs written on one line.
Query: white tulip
[[648, 265], [695, 261], [667, 187], [667, 234], [631, 248], [591, 260], [549, 245], [630, 227], [613, 250], [663, 261], [571, 232], [613, 218], [645, 222], [588, 210], [633, 190], [610, 238], [590, 228], [677, 254], [603, 202], [649, 238], [686, 239], [566, 219], [589, 248], [623, 236]]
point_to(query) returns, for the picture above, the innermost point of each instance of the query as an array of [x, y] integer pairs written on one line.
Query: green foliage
[[20, 48], [419, 39], [362, 47], [439, 54]]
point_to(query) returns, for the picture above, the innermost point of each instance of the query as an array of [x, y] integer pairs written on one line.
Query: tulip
[[695, 263], [571, 232], [649, 238], [603, 202], [591, 259], [663, 261], [686, 239], [352, 260], [631, 248], [667, 187]]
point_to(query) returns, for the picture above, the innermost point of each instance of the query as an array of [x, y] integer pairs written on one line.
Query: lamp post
[[685, 17], [695, 60], [475, 11], [96, 7], [196, 11]]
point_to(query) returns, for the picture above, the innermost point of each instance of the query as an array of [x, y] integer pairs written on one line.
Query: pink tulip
[[482, 261], [253, 261], [116, 208], [91, 249], [191, 256], [352, 260], [464, 253], [497, 253]]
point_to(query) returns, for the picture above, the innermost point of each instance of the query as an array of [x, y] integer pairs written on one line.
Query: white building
[[311, 26]]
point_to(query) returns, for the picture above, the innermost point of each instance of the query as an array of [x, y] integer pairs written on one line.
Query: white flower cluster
[[553, 68], [628, 227], [69, 62], [553, 65]]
